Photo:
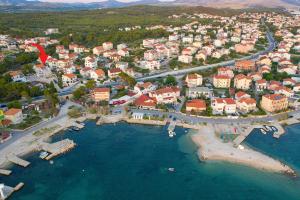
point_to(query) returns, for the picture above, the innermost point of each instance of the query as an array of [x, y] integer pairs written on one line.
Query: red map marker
[[43, 56]]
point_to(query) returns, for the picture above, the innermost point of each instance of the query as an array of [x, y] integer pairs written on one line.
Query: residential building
[[193, 80], [195, 105], [242, 82], [245, 65], [197, 92], [165, 95], [246, 105], [101, 94], [274, 102], [69, 79], [221, 81], [14, 115], [223, 105]]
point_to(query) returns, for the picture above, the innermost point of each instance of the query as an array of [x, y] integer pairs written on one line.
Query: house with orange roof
[[296, 88], [17, 76], [261, 85], [145, 102], [245, 65], [15, 115], [274, 102], [242, 82], [91, 62], [114, 73], [193, 80], [246, 105], [166, 95], [223, 105], [289, 82], [225, 71], [221, 81], [284, 90], [98, 50], [144, 88], [195, 105], [42, 70], [69, 79], [101, 94], [241, 94], [97, 74]]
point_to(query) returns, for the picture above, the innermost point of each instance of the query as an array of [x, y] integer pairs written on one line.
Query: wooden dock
[[57, 148], [5, 172], [16, 160]]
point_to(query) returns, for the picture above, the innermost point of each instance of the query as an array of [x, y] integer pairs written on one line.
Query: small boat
[[75, 128], [171, 134], [263, 131], [171, 169], [274, 128], [241, 147], [268, 128], [43, 154]]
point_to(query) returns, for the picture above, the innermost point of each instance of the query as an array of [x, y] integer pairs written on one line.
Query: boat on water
[[51, 162], [171, 134], [75, 128], [43, 154], [268, 128], [274, 128], [171, 169], [263, 131]]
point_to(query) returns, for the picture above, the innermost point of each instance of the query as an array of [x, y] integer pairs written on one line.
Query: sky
[[83, 1]]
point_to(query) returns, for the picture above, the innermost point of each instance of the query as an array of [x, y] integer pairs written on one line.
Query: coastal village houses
[[101, 94], [274, 102]]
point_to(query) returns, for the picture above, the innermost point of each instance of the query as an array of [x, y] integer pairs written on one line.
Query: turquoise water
[[128, 162]]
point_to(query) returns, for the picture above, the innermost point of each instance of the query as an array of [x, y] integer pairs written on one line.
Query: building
[[14, 115], [246, 104], [145, 102], [221, 81], [225, 71], [193, 80], [274, 102], [101, 94], [97, 74], [114, 73], [195, 105], [185, 59], [245, 65], [197, 92], [69, 79], [107, 46], [165, 95], [242, 82], [223, 105]]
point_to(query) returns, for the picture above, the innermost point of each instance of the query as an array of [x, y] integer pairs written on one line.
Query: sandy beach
[[212, 148]]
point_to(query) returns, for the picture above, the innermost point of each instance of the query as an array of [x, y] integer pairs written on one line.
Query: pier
[[243, 135], [7, 191], [57, 148], [16, 160], [5, 172], [172, 126]]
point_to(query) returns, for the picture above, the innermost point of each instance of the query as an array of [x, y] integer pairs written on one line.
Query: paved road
[[198, 119]]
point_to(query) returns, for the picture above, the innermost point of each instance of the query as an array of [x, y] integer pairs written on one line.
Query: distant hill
[[35, 5]]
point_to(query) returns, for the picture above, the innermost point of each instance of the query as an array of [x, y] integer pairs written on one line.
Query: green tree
[[14, 104], [170, 81], [90, 84], [79, 93]]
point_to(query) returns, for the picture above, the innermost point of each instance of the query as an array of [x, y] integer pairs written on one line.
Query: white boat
[[171, 134], [241, 147], [263, 131], [268, 128], [274, 129], [171, 169], [43, 154]]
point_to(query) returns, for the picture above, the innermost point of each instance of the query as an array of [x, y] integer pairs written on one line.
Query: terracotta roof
[[221, 77], [248, 100], [274, 96], [101, 90], [13, 111], [196, 103], [100, 72], [167, 90], [70, 75], [144, 100]]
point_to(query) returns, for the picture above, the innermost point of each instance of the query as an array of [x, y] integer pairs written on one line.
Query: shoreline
[[211, 148], [205, 144]]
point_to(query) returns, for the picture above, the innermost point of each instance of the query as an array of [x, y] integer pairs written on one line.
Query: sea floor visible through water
[[127, 162]]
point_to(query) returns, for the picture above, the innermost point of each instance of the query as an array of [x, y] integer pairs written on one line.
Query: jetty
[[243, 134], [57, 148], [16, 160], [7, 191], [172, 126], [5, 172]]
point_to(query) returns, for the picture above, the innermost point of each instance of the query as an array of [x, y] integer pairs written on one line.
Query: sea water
[[130, 162]]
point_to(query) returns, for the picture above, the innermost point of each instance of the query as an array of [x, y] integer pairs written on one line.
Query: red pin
[[43, 56]]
